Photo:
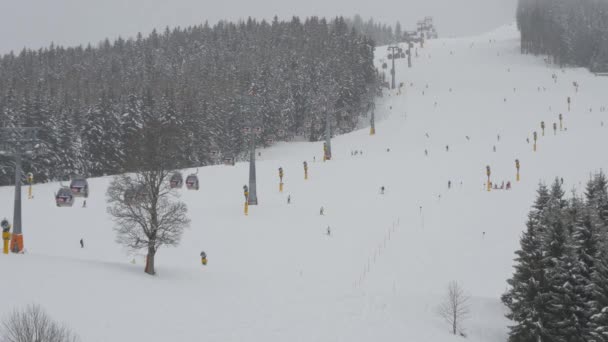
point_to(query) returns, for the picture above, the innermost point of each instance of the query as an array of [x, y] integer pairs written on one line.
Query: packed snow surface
[[276, 275]]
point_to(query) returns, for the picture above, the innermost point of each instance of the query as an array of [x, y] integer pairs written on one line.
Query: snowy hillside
[[276, 275]]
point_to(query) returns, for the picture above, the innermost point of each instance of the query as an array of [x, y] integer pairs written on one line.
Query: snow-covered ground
[[276, 275]]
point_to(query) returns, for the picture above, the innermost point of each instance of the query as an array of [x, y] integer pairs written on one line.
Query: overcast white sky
[[36, 23]]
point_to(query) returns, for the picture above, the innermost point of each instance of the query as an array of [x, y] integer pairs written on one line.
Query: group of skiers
[[502, 186]]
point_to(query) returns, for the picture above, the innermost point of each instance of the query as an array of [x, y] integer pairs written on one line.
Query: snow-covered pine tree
[[525, 298], [565, 298], [597, 196]]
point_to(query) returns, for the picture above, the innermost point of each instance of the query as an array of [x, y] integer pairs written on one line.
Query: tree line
[[571, 32], [559, 290], [380, 33], [206, 83]]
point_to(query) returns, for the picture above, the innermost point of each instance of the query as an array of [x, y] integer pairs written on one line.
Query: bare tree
[[33, 325], [455, 307], [146, 211]]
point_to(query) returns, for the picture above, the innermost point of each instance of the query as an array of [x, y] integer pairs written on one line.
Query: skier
[[449, 184], [328, 231], [382, 190], [426, 153], [468, 139], [203, 258], [81, 243], [288, 199], [494, 148], [447, 148], [321, 211], [84, 204], [498, 136], [509, 185]]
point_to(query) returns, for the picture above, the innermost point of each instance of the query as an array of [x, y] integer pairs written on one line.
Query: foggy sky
[[37, 23]]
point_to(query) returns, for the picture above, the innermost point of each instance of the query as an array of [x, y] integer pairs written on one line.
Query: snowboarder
[[288, 199], [321, 211], [203, 258], [81, 243]]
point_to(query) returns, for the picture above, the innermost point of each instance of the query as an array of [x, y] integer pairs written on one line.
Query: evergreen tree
[[525, 298]]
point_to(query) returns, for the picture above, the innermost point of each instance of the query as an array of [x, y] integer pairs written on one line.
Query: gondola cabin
[[176, 181], [64, 197], [192, 182], [79, 187]]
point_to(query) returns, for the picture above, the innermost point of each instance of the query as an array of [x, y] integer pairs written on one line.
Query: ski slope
[[276, 275]]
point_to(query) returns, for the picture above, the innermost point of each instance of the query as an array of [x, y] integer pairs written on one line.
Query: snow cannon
[[6, 234], [555, 128], [542, 127], [204, 258], [488, 173], [246, 193], [280, 179], [30, 181]]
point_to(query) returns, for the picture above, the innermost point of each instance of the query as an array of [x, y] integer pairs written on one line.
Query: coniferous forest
[[206, 82], [571, 32], [559, 290]]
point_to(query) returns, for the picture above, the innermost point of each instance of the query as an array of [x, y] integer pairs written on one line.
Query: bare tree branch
[[455, 308], [33, 325]]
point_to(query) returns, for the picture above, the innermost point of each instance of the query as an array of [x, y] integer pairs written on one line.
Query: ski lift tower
[[394, 49], [254, 131], [17, 142]]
